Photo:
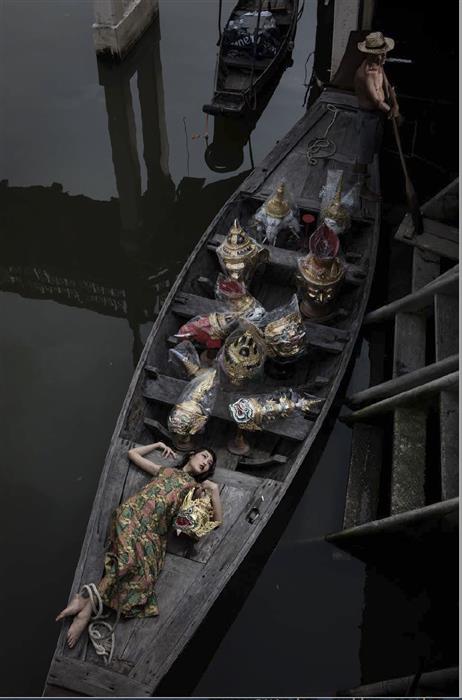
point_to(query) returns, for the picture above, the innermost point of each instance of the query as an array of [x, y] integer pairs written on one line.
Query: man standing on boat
[[376, 99]]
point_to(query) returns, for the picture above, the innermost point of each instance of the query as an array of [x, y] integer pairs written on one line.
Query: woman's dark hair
[[210, 472]]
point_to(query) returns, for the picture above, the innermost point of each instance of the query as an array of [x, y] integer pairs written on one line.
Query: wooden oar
[[411, 195]]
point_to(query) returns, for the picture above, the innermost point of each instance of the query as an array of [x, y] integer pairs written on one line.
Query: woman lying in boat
[[138, 537]]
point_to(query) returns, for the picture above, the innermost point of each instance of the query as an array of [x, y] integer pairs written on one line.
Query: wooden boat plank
[[168, 389], [426, 241], [93, 680], [364, 476], [447, 342], [190, 305]]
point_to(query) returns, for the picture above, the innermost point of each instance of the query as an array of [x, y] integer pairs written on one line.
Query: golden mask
[[285, 337], [239, 253], [242, 357], [195, 517]]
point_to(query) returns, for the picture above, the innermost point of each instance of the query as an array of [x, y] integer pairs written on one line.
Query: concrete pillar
[[346, 20], [120, 23], [367, 15]]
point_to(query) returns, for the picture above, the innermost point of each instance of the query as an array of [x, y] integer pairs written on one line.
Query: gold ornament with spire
[[336, 211], [239, 253], [278, 207]]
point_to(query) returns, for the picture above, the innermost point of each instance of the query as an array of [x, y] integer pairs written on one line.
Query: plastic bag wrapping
[[243, 354], [195, 517], [339, 201], [240, 254], [237, 299], [208, 330], [239, 35], [195, 404], [284, 332], [185, 359], [254, 412], [277, 214]]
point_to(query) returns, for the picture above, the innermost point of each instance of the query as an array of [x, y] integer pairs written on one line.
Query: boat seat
[[246, 62], [168, 389], [325, 338]]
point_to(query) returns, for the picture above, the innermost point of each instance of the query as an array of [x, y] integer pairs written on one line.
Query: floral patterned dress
[[138, 541]]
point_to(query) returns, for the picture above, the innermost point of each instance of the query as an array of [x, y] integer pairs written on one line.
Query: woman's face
[[200, 462]]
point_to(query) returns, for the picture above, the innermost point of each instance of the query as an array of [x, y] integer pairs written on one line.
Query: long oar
[[411, 196]]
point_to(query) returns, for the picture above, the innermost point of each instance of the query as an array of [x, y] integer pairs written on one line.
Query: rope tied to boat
[[100, 631], [322, 147]]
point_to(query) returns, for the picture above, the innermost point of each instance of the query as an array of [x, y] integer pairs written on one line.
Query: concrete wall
[[349, 15], [120, 23]]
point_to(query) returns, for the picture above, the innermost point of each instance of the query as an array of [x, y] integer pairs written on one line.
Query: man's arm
[[372, 94]]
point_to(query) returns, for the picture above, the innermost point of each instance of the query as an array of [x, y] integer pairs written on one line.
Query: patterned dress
[[138, 541]]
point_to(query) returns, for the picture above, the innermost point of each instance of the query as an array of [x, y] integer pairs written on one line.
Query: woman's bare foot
[[74, 607], [79, 624]]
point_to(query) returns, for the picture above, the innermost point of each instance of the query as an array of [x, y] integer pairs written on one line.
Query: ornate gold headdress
[[242, 356], [336, 211], [190, 415], [239, 253]]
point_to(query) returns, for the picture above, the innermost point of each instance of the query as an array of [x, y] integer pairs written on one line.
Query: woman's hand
[[209, 486], [166, 451]]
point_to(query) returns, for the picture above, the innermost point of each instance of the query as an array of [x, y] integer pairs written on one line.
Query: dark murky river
[[105, 189]]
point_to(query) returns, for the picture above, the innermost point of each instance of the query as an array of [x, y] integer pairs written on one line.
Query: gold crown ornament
[[278, 207], [191, 413], [195, 517], [321, 273], [242, 357], [252, 412], [336, 214], [239, 253]]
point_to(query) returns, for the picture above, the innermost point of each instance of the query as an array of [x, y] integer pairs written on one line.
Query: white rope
[[322, 147], [103, 640]]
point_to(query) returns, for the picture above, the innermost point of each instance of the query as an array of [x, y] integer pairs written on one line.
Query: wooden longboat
[[196, 574], [240, 79]]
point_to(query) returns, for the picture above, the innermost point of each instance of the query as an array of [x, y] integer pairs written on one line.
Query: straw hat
[[375, 42]]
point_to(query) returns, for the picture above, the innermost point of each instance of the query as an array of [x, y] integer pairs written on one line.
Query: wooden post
[[404, 382], [444, 284], [346, 20], [448, 382], [120, 23]]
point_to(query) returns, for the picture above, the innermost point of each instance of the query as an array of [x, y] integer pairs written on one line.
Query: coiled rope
[[322, 147], [100, 632]]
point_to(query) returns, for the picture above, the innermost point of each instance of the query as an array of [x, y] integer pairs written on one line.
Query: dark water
[[104, 191]]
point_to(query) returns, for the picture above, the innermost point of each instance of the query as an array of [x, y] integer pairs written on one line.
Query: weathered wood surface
[[446, 246], [400, 522], [447, 383], [447, 342], [431, 684], [410, 423], [93, 680], [446, 283], [404, 382], [364, 475], [444, 206], [168, 389]]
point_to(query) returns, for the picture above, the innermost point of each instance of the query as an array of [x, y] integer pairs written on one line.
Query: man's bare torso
[[369, 85]]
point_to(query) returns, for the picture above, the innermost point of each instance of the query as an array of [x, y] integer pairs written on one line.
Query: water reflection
[[116, 257], [225, 153]]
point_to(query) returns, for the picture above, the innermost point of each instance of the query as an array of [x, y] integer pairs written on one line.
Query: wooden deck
[[422, 380], [196, 574]]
